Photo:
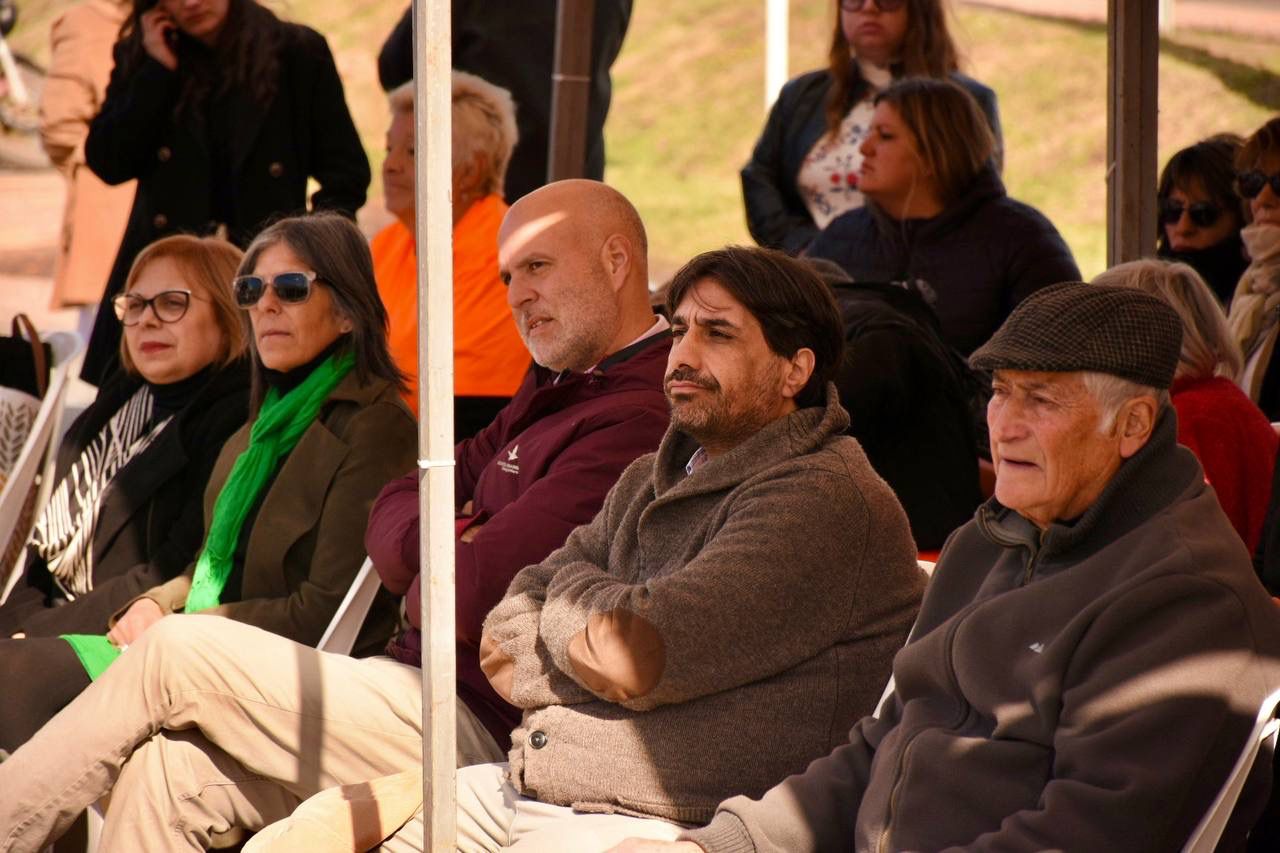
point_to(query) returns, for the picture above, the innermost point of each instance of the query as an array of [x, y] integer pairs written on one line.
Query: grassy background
[[688, 103]]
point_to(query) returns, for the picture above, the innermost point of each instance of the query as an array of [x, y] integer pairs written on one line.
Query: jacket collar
[[639, 367], [1153, 479], [800, 432]]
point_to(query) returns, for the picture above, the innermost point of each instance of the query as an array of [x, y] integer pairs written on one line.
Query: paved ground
[[1252, 17]]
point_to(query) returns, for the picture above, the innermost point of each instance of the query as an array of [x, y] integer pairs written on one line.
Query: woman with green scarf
[[289, 496]]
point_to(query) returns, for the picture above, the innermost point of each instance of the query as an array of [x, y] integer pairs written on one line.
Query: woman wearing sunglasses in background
[[1201, 215], [1255, 308], [803, 172], [126, 512], [222, 112]]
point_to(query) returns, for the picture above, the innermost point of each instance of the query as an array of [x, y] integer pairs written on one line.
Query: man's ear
[[615, 255], [1135, 422], [798, 370]]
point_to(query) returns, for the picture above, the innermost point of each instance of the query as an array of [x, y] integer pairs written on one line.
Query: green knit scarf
[[276, 431]]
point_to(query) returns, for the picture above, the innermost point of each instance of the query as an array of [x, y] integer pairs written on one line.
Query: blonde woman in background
[[489, 359], [1230, 435]]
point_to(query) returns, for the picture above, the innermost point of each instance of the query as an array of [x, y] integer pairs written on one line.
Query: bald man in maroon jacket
[[590, 406]]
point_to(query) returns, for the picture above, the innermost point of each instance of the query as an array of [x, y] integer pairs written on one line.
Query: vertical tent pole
[[1133, 53], [775, 51], [570, 87], [434, 235]]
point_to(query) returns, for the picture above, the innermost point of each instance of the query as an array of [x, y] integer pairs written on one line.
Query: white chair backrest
[[340, 636], [1205, 837], [39, 453]]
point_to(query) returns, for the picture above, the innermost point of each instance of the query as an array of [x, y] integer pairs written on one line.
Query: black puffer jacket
[[982, 256], [905, 393]]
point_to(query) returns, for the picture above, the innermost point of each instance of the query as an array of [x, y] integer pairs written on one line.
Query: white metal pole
[[775, 55], [434, 236]]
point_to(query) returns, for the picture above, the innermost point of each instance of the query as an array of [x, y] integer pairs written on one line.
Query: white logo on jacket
[[508, 465]]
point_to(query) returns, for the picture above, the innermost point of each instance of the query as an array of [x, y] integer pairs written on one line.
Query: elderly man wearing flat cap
[[1093, 647]]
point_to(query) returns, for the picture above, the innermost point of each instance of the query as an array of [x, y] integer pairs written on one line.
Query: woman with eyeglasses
[[289, 496], [222, 112], [1201, 215], [125, 511], [803, 172], [937, 213], [1255, 308]]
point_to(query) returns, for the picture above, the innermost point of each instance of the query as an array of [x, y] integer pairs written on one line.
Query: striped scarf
[[63, 534]]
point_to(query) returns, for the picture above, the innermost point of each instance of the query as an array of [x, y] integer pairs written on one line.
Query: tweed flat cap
[[1093, 327]]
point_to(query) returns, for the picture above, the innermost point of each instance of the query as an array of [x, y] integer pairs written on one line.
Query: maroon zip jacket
[[542, 468]]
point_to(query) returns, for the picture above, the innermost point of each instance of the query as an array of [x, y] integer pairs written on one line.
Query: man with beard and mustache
[[731, 610]]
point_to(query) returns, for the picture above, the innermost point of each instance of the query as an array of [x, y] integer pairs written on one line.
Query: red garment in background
[[489, 358], [1236, 446]]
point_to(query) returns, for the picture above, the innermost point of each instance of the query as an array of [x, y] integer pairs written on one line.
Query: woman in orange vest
[[489, 359]]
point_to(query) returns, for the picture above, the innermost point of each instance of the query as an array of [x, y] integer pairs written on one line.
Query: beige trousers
[[492, 816], [210, 724]]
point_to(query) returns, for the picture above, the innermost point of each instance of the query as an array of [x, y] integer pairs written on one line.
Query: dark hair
[[1209, 163], [952, 135], [793, 306], [927, 51], [338, 253], [246, 57]]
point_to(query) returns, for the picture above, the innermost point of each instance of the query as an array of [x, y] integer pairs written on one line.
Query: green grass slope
[[688, 103]]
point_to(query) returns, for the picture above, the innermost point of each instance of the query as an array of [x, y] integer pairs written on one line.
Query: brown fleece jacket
[[708, 633]]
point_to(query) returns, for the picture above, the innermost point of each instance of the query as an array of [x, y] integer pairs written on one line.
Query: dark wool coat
[[540, 470], [151, 522], [982, 256], [776, 213], [512, 45], [306, 131], [1085, 687]]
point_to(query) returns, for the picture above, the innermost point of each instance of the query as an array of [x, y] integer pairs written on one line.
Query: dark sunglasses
[[1251, 183], [169, 306], [290, 287], [1203, 213], [882, 5]]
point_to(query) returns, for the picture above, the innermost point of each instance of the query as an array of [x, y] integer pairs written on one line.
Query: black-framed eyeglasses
[[290, 287], [882, 5], [1251, 183], [1203, 213], [169, 306]]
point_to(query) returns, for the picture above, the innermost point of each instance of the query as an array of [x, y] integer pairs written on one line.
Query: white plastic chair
[[340, 636], [39, 453], [1207, 834]]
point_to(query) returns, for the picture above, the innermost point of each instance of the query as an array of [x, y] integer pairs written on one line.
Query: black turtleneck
[[1220, 265], [173, 397], [285, 381]]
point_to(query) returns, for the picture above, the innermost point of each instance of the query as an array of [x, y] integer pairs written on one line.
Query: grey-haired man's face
[[1051, 460]]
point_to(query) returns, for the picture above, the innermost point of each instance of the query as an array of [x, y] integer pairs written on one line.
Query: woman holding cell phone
[[222, 112]]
